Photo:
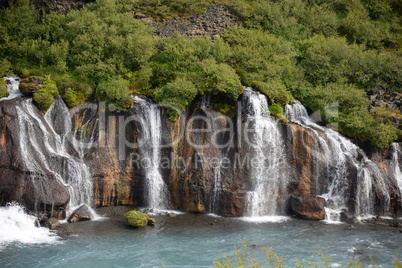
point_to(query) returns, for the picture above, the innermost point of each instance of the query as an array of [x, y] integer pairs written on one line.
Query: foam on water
[[267, 219], [19, 227]]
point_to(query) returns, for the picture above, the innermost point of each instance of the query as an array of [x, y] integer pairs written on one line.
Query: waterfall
[[267, 156], [151, 136], [76, 173], [17, 226], [341, 158], [395, 166], [46, 152], [13, 83]]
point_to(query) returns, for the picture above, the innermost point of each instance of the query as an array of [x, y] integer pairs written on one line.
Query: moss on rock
[[138, 219], [31, 84]]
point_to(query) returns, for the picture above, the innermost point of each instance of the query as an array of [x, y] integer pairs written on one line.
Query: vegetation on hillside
[[323, 53]]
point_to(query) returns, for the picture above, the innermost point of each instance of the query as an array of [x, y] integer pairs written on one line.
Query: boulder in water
[[308, 207], [52, 223], [138, 219], [82, 213]]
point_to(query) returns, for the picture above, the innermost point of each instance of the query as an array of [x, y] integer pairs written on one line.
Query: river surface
[[198, 240]]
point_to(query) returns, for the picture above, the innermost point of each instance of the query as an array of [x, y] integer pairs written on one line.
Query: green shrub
[[274, 90], [3, 88], [346, 97], [51, 86], [261, 56], [73, 92], [276, 109], [5, 68], [224, 108], [43, 99], [361, 125], [328, 60], [176, 95], [115, 92], [219, 78]]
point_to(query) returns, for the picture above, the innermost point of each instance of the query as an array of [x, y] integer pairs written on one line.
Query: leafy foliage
[[43, 99], [176, 96], [74, 92], [116, 92], [3, 89]]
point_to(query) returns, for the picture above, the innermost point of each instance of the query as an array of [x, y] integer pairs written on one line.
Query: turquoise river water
[[198, 240]]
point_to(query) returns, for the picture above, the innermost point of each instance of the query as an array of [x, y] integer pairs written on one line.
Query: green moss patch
[[138, 219]]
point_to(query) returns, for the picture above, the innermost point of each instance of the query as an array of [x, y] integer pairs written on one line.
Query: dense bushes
[[176, 96], [74, 92], [115, 92], [321, 52]]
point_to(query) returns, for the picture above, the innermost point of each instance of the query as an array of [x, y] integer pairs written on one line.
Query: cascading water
[[266, 149], [46, 152], [151, 136], [395, 166], [76, 174], [12, 87], [340, 154], [17, 226]]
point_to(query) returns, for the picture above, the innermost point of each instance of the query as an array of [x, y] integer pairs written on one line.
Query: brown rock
[[52, 223], [308, 207]]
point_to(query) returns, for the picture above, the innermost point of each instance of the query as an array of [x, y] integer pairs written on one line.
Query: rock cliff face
[[25, 177], [207, 161]]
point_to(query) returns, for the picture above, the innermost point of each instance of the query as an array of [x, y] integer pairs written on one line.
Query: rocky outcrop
[[33, 188], [387, 106], [308, 207], [212, 23], [30, 85]]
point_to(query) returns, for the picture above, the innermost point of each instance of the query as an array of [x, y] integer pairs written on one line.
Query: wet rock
[[308, 207], [396, 224], [52, 223], [345, 217], [82, 213], [37, 190]]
